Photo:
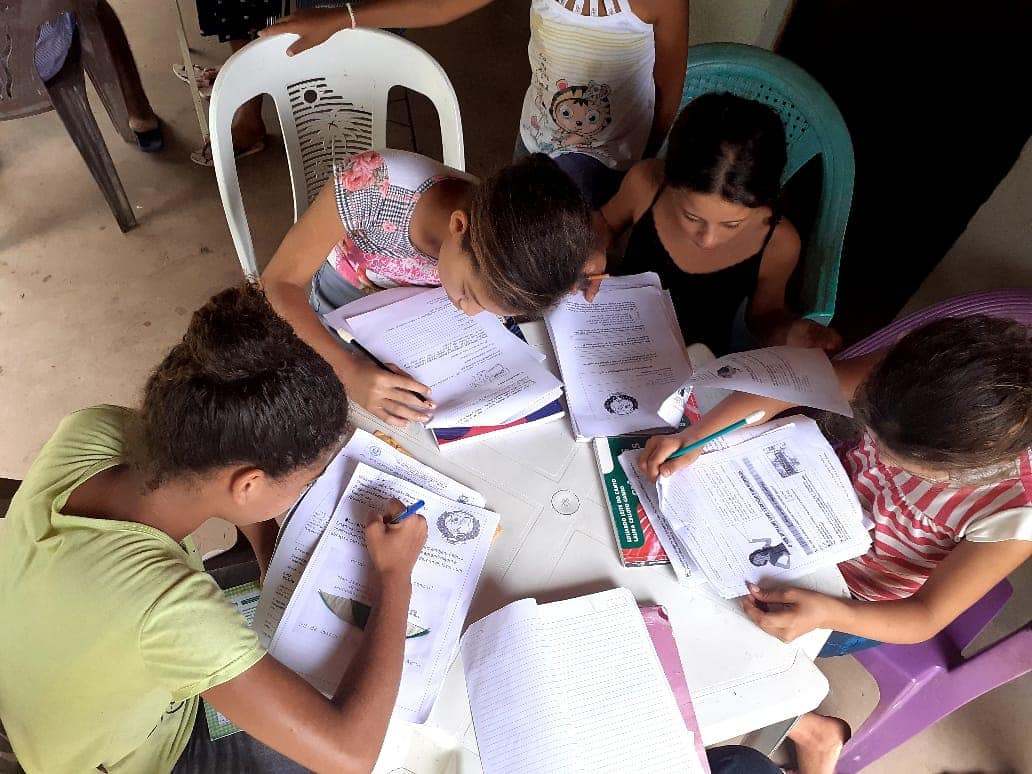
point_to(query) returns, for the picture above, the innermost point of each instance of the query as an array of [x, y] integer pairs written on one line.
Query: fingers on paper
[[400, 412], [403, 381], [591, 290], [772, 610]]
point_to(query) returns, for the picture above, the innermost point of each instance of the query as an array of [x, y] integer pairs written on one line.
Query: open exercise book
[[574, 686], [620, 356], [479, 373], [765, 504]]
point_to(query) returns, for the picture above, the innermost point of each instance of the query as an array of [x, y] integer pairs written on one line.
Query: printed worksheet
[[772, 508], [573, 687], [621, 356], [802, 376], [684, 567], [322, 627], [308, 518], [478, 376]]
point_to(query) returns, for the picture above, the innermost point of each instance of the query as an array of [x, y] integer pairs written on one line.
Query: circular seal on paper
[[620, 404], [458, 526], [565, 502]]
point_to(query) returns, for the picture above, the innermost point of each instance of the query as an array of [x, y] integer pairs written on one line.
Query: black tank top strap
[[775, 219]]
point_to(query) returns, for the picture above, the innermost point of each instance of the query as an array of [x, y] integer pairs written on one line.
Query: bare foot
[[818, 741]]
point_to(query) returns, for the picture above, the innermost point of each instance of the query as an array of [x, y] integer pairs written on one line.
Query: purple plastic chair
[[921, 684]]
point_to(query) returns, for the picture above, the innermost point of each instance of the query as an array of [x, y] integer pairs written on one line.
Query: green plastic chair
[[813, 126]]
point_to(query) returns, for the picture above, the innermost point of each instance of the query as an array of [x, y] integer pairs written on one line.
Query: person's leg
[[736, 759], [818, 741], [595, 180], [141, 115]]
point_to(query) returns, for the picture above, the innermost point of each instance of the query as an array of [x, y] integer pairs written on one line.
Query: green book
[[245, 599]]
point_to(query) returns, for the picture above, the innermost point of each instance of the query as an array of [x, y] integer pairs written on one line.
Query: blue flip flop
[[150, 141]]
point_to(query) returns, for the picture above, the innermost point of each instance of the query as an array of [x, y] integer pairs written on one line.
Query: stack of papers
[[478, 372], [620, 356], [320, 589], [767, 505]]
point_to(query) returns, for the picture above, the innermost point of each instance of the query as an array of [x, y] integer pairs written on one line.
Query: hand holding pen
[[394, 538]]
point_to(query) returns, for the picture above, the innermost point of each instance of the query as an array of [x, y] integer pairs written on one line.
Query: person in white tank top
[[606, 80], [591, 82]]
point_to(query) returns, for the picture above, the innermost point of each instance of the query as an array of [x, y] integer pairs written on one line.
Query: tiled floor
[[85, 311]]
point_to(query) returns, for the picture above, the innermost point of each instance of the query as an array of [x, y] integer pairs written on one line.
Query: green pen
[[752, 419]]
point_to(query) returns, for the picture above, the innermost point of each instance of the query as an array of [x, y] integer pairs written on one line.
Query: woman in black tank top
[[705, 220]]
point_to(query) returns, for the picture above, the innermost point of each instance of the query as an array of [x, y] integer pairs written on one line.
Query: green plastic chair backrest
[[813, 126]]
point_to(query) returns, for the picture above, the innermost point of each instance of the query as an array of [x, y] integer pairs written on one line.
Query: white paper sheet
[[308, 518], [620, 355], [338, 318], [804, 377], [409, 747], [573, 687], [321, 629], [770, 509], [478, 376], [684, 567]]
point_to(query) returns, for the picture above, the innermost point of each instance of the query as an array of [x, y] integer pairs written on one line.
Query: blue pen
[[407, 512], [752, 419]]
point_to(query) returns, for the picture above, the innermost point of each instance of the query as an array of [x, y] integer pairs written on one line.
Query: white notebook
[[573, 687]]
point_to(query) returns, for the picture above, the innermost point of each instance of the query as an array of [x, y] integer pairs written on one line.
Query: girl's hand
[[594, 273], [789, 612], [653, 461], [591, 287], [387, 394], [807, 333], [314, 25]]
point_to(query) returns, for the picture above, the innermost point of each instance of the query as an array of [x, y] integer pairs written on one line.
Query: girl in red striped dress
[[943, 472]]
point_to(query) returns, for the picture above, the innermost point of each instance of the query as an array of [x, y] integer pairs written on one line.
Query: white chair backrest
[[331, 101]]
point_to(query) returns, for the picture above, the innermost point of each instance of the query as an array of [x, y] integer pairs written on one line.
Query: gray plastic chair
[[23, 93]]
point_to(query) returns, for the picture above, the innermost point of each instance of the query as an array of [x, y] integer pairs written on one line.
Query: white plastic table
[[557, 541]]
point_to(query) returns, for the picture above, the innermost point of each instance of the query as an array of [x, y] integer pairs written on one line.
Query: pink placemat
[[662, 634]]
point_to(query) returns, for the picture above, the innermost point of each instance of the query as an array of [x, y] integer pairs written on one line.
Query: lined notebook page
[[514, 693], [580, 682]]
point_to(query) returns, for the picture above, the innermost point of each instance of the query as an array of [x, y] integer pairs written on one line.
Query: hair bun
[[235, 336]]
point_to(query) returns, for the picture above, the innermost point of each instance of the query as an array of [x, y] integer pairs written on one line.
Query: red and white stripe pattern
[[917, 522]]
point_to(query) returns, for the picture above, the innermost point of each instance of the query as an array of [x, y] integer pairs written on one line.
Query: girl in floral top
[[513, 244]]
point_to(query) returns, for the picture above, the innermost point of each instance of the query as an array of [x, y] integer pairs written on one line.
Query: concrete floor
[[86, 311]]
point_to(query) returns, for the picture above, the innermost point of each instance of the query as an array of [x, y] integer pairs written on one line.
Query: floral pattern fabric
[[376, 211]]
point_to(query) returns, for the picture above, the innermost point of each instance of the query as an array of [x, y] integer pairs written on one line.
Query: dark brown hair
[[530, 235], [727, 145], [955, 393], [240, 389]]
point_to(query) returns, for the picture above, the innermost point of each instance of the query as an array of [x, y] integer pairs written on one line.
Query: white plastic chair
[[331, 101]]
